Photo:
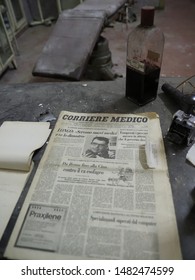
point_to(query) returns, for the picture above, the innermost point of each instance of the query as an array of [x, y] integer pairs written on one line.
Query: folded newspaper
[[101, 191]]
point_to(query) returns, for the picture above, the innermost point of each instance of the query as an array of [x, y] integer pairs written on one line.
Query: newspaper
[[101, 191]]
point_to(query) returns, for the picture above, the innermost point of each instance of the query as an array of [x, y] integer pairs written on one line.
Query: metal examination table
[[25, 102], [68, 49]]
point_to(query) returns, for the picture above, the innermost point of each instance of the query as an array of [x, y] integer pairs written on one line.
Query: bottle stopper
[[147, 16]]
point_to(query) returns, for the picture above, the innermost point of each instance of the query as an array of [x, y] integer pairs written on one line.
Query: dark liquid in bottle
[[141, 88]]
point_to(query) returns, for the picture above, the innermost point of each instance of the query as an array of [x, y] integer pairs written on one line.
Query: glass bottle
[[144, 58]]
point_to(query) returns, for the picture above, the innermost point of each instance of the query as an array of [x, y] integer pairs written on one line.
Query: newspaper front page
[[101, 191]]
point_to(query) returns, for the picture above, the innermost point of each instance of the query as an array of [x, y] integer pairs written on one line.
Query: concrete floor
[[177, 21]]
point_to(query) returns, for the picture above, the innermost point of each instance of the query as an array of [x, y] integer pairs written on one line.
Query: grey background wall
[[49, 7]]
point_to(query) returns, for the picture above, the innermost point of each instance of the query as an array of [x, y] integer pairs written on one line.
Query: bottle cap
[[147, 16]]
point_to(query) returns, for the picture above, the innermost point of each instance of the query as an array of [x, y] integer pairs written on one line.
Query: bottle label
[[153, 56], [136, 64]]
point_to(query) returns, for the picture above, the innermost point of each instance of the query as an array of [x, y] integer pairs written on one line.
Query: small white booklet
[[18, 141]]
